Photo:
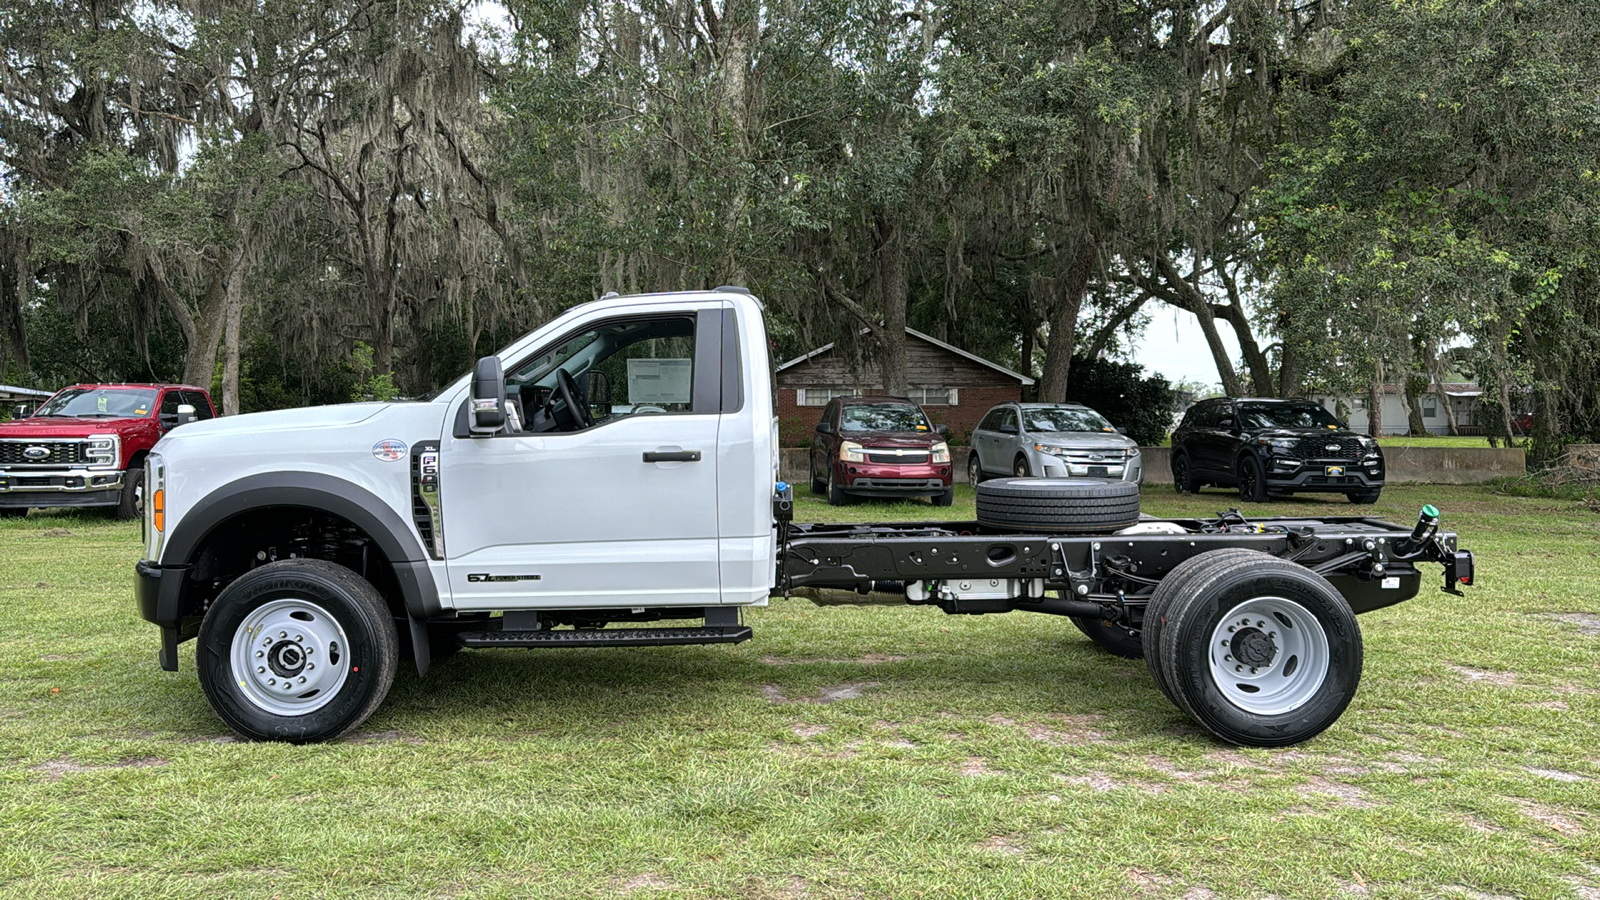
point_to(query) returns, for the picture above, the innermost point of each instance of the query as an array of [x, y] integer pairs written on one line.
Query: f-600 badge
[[389, 450]]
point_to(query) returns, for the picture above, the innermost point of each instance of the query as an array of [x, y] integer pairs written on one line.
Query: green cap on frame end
[[1430, 511]]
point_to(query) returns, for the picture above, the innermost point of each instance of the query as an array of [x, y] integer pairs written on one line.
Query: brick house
[[954, 386]]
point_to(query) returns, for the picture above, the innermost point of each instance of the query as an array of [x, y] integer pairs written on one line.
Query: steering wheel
[[564, 406]]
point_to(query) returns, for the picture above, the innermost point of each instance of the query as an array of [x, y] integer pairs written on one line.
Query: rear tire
[[129, 505], [1258, 651], [265, 637], [818, 485], [1111, 637], [974, 469], [1058, 505], [13, 512]]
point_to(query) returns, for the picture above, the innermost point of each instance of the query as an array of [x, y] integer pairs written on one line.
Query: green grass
[[1435, 440], [995, 756]]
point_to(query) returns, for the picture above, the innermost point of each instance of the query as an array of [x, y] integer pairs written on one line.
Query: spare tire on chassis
[[1259, 651], [1057, 505]]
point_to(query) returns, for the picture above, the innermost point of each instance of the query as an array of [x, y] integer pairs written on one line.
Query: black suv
[[1273, 448]]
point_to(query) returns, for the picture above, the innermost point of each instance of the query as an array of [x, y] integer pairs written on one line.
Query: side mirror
[[185, 414], [488, 401], [943, 430], [1008, 428], [596, 388], [1120, 429], [824, 428], [21, 412]]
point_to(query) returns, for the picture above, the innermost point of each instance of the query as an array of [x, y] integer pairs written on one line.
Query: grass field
[[846, 751]]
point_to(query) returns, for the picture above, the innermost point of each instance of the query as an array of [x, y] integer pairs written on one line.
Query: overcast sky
[[1174, 346]]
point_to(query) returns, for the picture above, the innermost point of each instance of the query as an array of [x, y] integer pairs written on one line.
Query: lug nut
[[260, 653], [1227, 659], [261, 670], [1252, 670], [298, 639], [310, 666], [283, 634], [272, 681], [302, 679]]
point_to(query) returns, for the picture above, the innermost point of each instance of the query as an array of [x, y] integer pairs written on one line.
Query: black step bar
[[607, 637]]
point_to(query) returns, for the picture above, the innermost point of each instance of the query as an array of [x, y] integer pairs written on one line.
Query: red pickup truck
[[86, 445]]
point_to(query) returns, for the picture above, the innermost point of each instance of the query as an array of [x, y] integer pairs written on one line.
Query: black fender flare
[[313, 490]]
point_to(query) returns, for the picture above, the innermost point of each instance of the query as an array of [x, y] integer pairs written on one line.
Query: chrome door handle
[[655, 456]]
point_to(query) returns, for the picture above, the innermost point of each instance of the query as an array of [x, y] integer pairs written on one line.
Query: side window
[[990, 421], [1008, 416], [170, 401], [622, 368], [202, 407]]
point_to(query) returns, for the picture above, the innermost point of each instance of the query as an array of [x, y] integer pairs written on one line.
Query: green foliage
[[370, 383], [1124, 395]]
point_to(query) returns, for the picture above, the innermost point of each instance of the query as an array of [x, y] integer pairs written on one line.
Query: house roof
[[13, 390], [1025, 380]]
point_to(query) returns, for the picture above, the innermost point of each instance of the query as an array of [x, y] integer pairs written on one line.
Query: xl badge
[[389, 450]]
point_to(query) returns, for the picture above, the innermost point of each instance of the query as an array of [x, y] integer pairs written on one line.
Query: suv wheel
[[1020, 469], [299, 650], [1252, 481], [974, 469], [836, 496], [1183, 476], [1364, 497]]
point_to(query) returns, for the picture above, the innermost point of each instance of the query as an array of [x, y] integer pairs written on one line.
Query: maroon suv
[[880, 447]]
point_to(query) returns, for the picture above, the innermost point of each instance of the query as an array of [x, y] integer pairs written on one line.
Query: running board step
[[607, 637]]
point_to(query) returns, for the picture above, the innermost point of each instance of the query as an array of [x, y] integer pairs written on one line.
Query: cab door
[[620, 513]]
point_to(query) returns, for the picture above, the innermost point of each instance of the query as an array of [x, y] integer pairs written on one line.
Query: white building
[[1463, 398]]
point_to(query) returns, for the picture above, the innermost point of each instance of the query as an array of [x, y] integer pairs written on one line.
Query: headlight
[[1284, 444], [102, 450], [1050, 449], [941, 452], [850, 451]]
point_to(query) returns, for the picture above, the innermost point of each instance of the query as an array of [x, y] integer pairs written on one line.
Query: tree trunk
[[1375, 403], [1195, 302], [230, 358], [1414, 420], [893, 284], [200, 360], [1066, 302]]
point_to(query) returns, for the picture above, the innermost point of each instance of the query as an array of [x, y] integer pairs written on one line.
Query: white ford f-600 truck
[[611, 480]]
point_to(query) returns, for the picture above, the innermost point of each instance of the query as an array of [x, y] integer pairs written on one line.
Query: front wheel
[[974, 469], [299, 650], [1252, 481], [1260, 652], [836, 494], [1183, 476], [130, 502], [1364, 497], [1021, 469]]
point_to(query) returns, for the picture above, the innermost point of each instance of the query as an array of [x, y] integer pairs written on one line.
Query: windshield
[[882, 417], [1064, 418], [99, 403], [1285, 415]]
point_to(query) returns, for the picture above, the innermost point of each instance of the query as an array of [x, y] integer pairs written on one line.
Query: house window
[[1358, 403], [821, 396], [1430, 407], [936, 396]]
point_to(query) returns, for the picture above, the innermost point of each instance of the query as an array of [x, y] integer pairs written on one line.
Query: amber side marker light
[[159, 504]]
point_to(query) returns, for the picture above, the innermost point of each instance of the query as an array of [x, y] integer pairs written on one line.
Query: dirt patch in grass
[[1481, 826], [1551, 818], [809, 731], [866, 659], [977, 767], [999, 844], [1556, 774], [1461, 890], [383, 737], [57, 769], [648, 881], [833, 694], [1473, 676], [1586, 622], [1348, 794], [56, 532]]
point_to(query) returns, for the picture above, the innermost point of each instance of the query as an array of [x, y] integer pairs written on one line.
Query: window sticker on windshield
[[102, 400], [659, 380], [140, 411]]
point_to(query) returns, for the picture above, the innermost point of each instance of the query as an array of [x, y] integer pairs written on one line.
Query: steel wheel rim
[[290, 657], [1299, 656]]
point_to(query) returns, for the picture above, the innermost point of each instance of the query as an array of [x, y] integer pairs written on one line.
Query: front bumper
[[1325, 475], [60, 487], [881, 480], [159, 595], [1052, 466]]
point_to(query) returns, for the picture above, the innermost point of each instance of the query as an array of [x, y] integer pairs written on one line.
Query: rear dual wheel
[[1259, 651]]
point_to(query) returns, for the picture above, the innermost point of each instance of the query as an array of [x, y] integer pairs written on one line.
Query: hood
[[917, 440], [1320, 431], [1086, 440], [69, 426], [286, 419]]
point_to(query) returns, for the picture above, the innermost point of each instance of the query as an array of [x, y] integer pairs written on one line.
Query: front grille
[[1087, 457], [904, 458], [62, 453], [1317, 447]]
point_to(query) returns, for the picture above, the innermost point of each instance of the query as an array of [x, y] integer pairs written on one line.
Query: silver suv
[[1059, 439]]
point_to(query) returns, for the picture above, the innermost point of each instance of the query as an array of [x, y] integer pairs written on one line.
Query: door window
[[202, 407], [618, 369], [170, 401]]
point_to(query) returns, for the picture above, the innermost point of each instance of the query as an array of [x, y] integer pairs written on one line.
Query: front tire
[[13, 512], [300, 650], [1260, 652], [1252, 481], [1183, 476], [1020, 468], [974, 469], [129, 505], [1364, 497], [836, 494]]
